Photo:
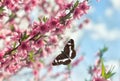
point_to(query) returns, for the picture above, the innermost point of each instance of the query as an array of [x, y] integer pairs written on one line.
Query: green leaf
[[1, 9], [109, 74], [76, 4], [14, 45], [103, 70], [24, 36], [12, 16], [44, 19], [39, 19], [31, 56], [104, 49], [37, 37], [69, 66], [41, 61], [12, 28]]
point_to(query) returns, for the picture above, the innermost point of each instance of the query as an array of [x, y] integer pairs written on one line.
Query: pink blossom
[[35, 72], [1, 25], [86, 21], [44, 28], [11, 68], [97, 62], [1, 55], [84, 6], [53, 22], [77, 13], [78, 61], [24, 46], [44, 5], [53, 39], [99, 79], [68, 6], [80, 26], [49, 69], [1, 76], [48, 49], [27, 8], [39, 65], [81, 9], [2, 15], [11, 5], [16, 1], [57, 31], [60, 3], [96, 70], [7, 2], [43, 53], [34, 2], [2, 36], [40, 43]]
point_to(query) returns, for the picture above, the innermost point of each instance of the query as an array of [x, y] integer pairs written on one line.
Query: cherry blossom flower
[[24, 46], [84, 6], [44, 28], [53, 39], [48, 49], [53, 22], [40, 43], [35, 72]]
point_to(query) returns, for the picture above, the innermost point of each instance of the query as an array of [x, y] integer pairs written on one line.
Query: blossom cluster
[[23, 48]]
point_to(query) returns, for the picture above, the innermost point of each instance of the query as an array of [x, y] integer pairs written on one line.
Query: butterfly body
[[66, 55]]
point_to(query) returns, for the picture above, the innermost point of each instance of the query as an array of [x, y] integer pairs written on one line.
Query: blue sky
[[105, 20]]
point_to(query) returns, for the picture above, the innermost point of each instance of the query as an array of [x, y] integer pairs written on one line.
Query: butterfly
[[66, 55]]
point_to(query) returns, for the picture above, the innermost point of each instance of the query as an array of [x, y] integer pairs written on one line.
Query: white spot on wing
[[63, 60], [70, 52]]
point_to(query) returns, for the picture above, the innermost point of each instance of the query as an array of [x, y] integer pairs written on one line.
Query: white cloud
[[116, 4], [100, 31]]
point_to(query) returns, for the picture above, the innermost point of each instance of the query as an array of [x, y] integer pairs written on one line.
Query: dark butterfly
[[66, 55]]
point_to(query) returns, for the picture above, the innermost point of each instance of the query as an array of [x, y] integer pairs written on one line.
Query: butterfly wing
[[70, 47], [66, 62], [71, 43], [61, 59], [66, 50]]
